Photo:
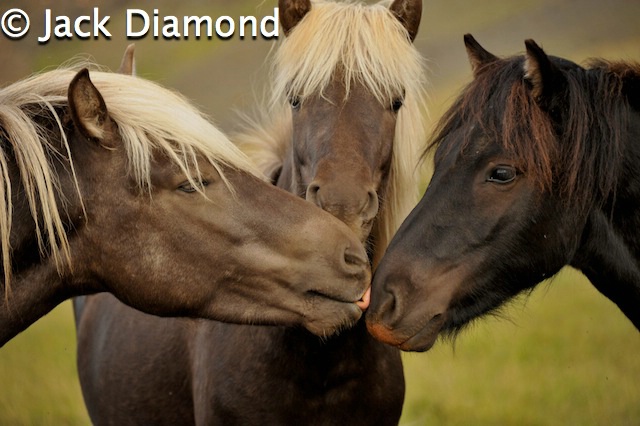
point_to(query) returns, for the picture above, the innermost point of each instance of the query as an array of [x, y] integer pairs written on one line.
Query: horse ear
[[478, 56], [541, 74], [88, 110], [408, 13], [291, 12], [128, 64]]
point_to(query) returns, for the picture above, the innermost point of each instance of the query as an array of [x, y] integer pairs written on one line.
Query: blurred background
[[564, 355]]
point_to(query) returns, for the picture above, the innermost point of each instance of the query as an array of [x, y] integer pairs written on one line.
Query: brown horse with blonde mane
[[103, 189], [342, 132], [536, 167]]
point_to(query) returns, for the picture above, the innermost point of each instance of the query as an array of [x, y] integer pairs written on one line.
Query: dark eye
[[294, 101], [397, 104], [502, 175], [189, 188]]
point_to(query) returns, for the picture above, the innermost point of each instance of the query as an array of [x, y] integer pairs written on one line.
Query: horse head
[[525, 162], [352, 80]]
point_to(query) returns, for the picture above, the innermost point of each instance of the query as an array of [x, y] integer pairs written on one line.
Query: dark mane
[[577, 160]]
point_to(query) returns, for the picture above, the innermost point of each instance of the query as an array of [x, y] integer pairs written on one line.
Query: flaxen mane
[[149, 118], [367, 44], [581, 162]]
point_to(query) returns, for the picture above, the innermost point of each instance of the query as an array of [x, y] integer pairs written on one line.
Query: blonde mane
[[369, 46], [150, 119]]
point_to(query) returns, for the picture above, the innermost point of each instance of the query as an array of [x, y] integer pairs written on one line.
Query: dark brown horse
[[350, 80], [103, 190], [537, 166]]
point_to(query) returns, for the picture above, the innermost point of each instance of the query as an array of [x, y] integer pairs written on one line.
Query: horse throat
[[609, 254], [33, 292]]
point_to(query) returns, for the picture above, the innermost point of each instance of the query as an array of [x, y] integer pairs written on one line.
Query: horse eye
[[294, 101], [396, 104], [502, 175], [189, 188]]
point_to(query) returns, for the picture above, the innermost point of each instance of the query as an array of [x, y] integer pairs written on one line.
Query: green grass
[[38, 379], [565, 355]]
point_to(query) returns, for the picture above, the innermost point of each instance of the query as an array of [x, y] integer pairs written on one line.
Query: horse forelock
[[150, 119], [364, 43], [367, 45], [580, 158]]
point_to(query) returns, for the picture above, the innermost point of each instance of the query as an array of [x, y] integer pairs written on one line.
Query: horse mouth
[[362, 302], [424, 339], [365, 300], [334, 313]]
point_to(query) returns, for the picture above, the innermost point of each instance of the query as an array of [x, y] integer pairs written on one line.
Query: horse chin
[[409, 341], [326, 325]]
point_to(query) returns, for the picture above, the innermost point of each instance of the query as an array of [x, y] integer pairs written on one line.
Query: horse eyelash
[[295, 102], [189, 188], [398, 102]]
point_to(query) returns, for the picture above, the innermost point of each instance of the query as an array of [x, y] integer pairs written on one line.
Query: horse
[[536, 167], [113, 183], [343, 128]]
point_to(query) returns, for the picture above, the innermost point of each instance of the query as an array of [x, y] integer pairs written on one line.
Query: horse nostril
[[370, 208], [387, 307], [355, 256], [312, 194]]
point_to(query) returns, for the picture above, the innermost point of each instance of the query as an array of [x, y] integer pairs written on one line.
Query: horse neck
[[610, 251], [37, 285], [33, 293], [328, 358]]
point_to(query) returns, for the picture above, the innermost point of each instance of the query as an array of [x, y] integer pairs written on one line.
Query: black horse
[[537, 166]]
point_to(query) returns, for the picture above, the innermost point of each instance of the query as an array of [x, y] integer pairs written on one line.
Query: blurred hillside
[[222, 75], [565, 359]]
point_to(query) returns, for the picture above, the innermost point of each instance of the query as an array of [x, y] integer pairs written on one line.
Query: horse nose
[[383, 315], [341, 199]]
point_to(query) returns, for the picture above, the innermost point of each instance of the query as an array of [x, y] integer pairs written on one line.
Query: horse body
[[201, 372], [101, 191], [347, 147], [259, 375], [536, 167]]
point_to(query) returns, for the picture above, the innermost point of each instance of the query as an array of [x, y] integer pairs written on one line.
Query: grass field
[[565, 356]]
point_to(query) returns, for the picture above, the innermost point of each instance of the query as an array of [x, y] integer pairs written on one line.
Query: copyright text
[[139, 23]]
